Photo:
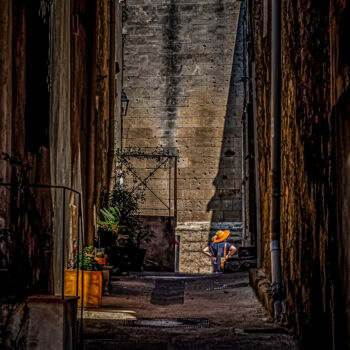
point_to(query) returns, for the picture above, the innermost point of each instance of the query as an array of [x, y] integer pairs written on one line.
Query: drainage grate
[[220, 286], [260, 331], [229, 286], [168, 323]]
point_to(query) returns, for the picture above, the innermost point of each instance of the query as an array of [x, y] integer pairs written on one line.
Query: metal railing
[[80, 242]]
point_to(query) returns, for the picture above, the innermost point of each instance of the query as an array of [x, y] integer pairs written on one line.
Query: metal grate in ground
[[168, 323], [228, 286], [210, 286]]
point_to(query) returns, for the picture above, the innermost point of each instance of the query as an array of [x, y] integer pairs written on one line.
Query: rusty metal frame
[[168, 158]]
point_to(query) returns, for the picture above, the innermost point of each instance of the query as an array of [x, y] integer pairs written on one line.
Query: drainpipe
[[91, 158], [276, 157], [112, 38]]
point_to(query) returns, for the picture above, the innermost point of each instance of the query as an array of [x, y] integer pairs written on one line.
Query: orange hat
[[221, 236]]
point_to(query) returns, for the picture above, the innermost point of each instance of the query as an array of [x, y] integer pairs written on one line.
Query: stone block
[[205, 111], [192, 246], [206, 269], [191, 194], [188, 174], [193, 215], [203, 163], [213, 152], [196, 205], [194, 236], [59, 323]]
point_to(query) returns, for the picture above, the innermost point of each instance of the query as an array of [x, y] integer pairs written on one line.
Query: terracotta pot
[[92, 286]]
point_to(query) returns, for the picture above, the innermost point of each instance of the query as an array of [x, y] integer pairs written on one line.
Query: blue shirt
[[218, 250]]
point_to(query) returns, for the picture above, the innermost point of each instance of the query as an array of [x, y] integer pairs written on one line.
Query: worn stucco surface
[[47, 115], [314, 164]]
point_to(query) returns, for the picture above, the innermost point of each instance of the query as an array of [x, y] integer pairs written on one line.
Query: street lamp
[[124, 102]]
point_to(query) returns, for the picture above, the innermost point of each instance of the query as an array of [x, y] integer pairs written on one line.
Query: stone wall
[[53, 88], [314, 167], [340, 102], [184, 69]]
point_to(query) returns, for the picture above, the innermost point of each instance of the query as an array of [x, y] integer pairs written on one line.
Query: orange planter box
[[101, 261], [92, 286]]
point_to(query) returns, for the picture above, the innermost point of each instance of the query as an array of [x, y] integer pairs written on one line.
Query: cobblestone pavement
[[187, 312]]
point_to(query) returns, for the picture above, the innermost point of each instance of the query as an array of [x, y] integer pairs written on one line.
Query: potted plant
[[108, 227], [100, 256], [124, 242], [90, 278]]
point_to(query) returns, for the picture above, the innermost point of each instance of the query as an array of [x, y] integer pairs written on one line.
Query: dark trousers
[[216, 266]]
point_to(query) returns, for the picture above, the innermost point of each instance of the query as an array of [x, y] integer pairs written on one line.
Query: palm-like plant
[[111, 219]]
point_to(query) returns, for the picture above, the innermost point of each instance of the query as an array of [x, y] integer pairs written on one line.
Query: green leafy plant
[[111, 219], [85, 260], [128, 203], [124, 11]]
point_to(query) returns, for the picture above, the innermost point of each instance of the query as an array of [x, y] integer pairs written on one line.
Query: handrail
[[44, 186], [80, 230]]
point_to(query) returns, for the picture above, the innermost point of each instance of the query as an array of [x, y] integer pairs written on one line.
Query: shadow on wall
[[226, 204], [342, 239], [173, 68]]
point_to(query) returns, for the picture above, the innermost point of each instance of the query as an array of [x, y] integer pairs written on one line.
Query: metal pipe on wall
[[276, 156], [245, 151], [112, 63], [92, 129], [256, 170]]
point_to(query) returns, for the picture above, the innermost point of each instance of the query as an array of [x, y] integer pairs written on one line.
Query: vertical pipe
[[245, 147], [243, 187], [169, 203], [63, 240], [77, 331], [111, 92], [175, 190], [276, 156], [78, 245], [256, 170], [82, 279], [177, 238], [91, 172], [124, 34]]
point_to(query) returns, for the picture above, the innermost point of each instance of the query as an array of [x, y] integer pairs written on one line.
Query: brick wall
[[184, 71]]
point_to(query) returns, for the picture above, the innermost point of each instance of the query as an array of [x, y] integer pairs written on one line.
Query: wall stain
[[173, 68]]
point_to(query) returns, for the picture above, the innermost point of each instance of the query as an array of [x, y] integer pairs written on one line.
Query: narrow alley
[[174, 174], [173, 311]]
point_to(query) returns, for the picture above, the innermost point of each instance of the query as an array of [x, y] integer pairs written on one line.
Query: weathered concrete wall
[[314, 77], [5, 97], [60, 128], [184, 68], [48, 56], [59, 332], [340, 101]]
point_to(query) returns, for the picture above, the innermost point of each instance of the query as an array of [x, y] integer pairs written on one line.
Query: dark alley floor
[[186, 312]]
